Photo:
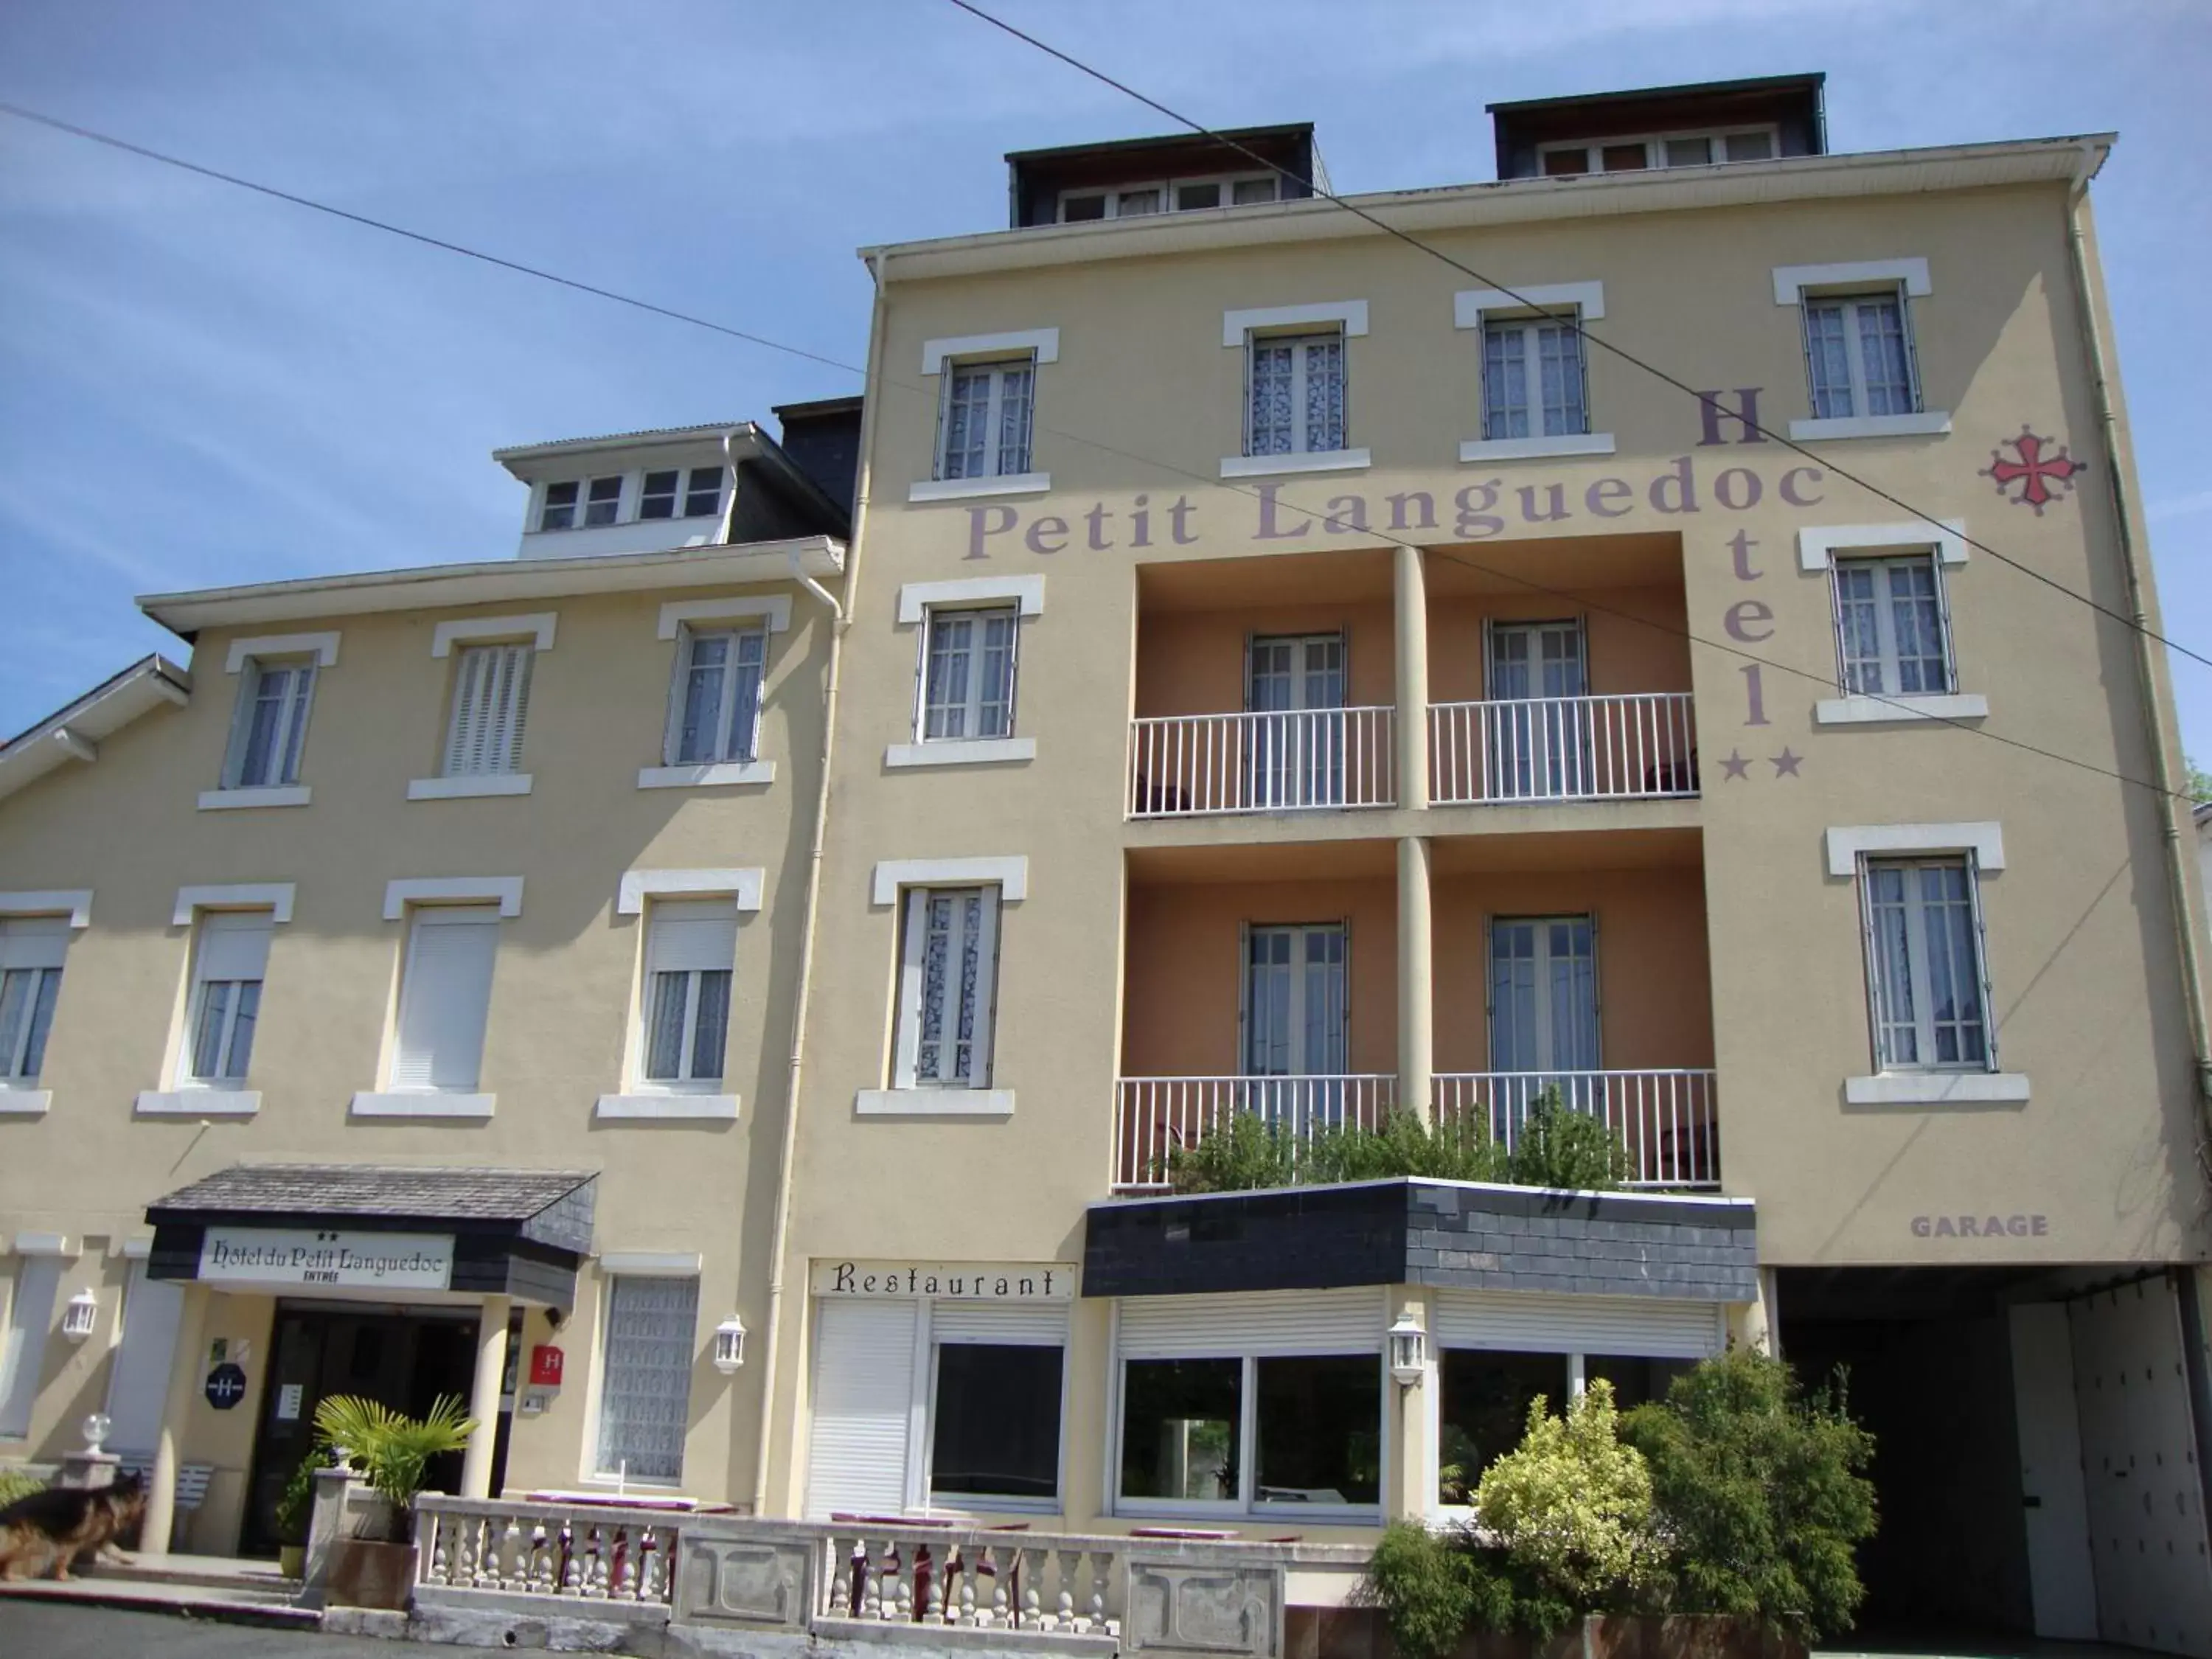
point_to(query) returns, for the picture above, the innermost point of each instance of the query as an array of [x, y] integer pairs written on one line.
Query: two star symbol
[[1785, 764]]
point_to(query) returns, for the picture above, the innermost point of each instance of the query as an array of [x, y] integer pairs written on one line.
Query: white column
[[483, 1396], [1412, 618], [1756, 1325], [184, 1381], [1416, 978]]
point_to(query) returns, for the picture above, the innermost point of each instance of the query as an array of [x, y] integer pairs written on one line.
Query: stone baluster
[[471, 1530], [623, 1569], [595, 1564], [541, 1581], [1064, 1608], [439, 1555], [650, 1562], [967, 1616], [871, 1598], [841, 1583], [572, 1559], [1031, 1583], [513, 1557]]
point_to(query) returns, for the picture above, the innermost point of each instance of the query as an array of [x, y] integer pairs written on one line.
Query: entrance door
[[1543, 1015], [1296, 757], [403, 1361], [1297, 1024], [1537, 743]]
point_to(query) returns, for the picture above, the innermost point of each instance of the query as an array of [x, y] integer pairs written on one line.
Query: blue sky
[[199, 386]]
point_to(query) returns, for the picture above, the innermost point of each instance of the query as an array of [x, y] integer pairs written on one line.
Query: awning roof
[[547, 1207]]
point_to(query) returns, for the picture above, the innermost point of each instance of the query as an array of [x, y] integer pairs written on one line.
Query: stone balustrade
[[581, 1551]]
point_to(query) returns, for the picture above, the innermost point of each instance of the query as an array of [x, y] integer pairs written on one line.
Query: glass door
[[1543, 1015], [1539, 740], [1296, 755], [1297, 1025]]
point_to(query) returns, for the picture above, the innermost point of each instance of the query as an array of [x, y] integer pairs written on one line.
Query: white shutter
[[30, 1317], [1024, 1324], [233, 945], [909, 987], [856, 1457], [1265, 1322], [692, 936], [444, 996], [34, 942], [138, 1385], [491, 695], [1630, 1325]]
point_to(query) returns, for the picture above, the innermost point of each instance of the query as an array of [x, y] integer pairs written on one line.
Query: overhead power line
[[1570, 318], [1446, 551]]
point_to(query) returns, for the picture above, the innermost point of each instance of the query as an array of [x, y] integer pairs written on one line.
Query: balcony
[[1639, 746], [1157, 1115], [1665, 1119], [1292, 761]]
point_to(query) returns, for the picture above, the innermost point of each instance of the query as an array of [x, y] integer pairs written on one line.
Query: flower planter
[[1363, 1633], [292, 1560], [368, 1574]]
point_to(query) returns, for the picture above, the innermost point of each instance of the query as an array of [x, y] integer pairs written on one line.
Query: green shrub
[[1244, 1153], [1572, 1504], [1433, 1587], [18, 1483], [1758, 1488], [1558, 1146]]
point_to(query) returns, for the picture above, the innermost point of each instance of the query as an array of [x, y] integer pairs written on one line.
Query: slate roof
[[555, 1205]]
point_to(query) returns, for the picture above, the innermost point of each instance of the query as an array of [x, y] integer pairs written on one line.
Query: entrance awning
[[310, 1228]]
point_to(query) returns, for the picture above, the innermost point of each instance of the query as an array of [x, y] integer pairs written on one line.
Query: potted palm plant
[[375, 1567]]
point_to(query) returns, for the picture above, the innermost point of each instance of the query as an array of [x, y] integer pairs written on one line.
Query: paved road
[[45, 1630]]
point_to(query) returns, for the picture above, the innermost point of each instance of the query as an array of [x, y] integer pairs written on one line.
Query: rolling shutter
[[233, 945], [1642, 1326], [139, 1385], [857, 1453], [1026, 1324], [38, 1282], [1265, 1323], [444, 998], [692, 935], [34, 942]]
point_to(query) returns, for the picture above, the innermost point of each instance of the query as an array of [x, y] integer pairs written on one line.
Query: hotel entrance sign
[[269, 1255]]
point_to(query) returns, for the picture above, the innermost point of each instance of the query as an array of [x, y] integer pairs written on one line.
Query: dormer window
[[698, 494], [600, 501], [1640, 154], [1185, 195], [660, 493]]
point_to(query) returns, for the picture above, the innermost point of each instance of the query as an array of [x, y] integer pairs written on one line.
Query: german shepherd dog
[[49, 1530]]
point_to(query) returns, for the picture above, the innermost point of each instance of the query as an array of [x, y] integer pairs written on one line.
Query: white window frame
[[1302, 343], [1473, 309], [1529, 328], [416, 901], [1854, 303], [939, 357], [680, 501], [913, 948], [1916, 968], [970, 709], [1801, 285], [38, 936], [1170, 195], [289, 742], [625, 496], [997, 368], [1654, 146], [724, 749], [535, 631], [610, 1275], [1241, 330], [645, 1005], [700, 1101], [1886, 659], [1820, 548], [211, 923]]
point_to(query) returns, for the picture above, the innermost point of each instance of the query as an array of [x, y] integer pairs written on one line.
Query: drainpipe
[[729, 528], [2154, 714], [841, 622]]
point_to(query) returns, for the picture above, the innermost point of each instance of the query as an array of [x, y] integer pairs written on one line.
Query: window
[[491, 696], [691, 950], [1314, 1421], [967, 684], [444, 994], [1635, 154], [1536, 729], [24, 1345], [984, 430], [1296, 401], [645, 1376], [1543, 1006], [228, 966], [1858, 356], [600, 500], [31, 951], [1484, 1410], [1533, 384], [716, 713], [1890, 626], [272, 723], [948, 987], [1296, 753], [927, 1401], [1135, 201], [699, 495], [1924, 953]]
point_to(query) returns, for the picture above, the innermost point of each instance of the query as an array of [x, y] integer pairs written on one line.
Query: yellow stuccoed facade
[[1146, 563]]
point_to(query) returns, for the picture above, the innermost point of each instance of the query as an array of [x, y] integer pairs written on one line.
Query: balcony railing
[[1307, 760], [1666, 1120], [1543, 749], [1158, 1115]]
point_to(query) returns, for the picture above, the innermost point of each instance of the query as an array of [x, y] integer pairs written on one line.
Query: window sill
[[422, 1103], [1899, 710], [198, 1103], [934, 1103], [17, 1101], [1314, 460], [1937, 1089], [494, 783], [1929, 424], [964, 490], [711, 775], [670, 1108], [1530, 449], [221, 800], [961, 751]]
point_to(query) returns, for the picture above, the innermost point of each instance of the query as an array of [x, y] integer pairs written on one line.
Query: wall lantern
[[729, 1344], [81, 1314], [1409, 1350]]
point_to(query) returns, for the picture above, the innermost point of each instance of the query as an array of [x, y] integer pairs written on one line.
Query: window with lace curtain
[[691, 953], [948, 987], [983, 429], [645, 1376], [270, 726], [1858, 354], [1295, 393]]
